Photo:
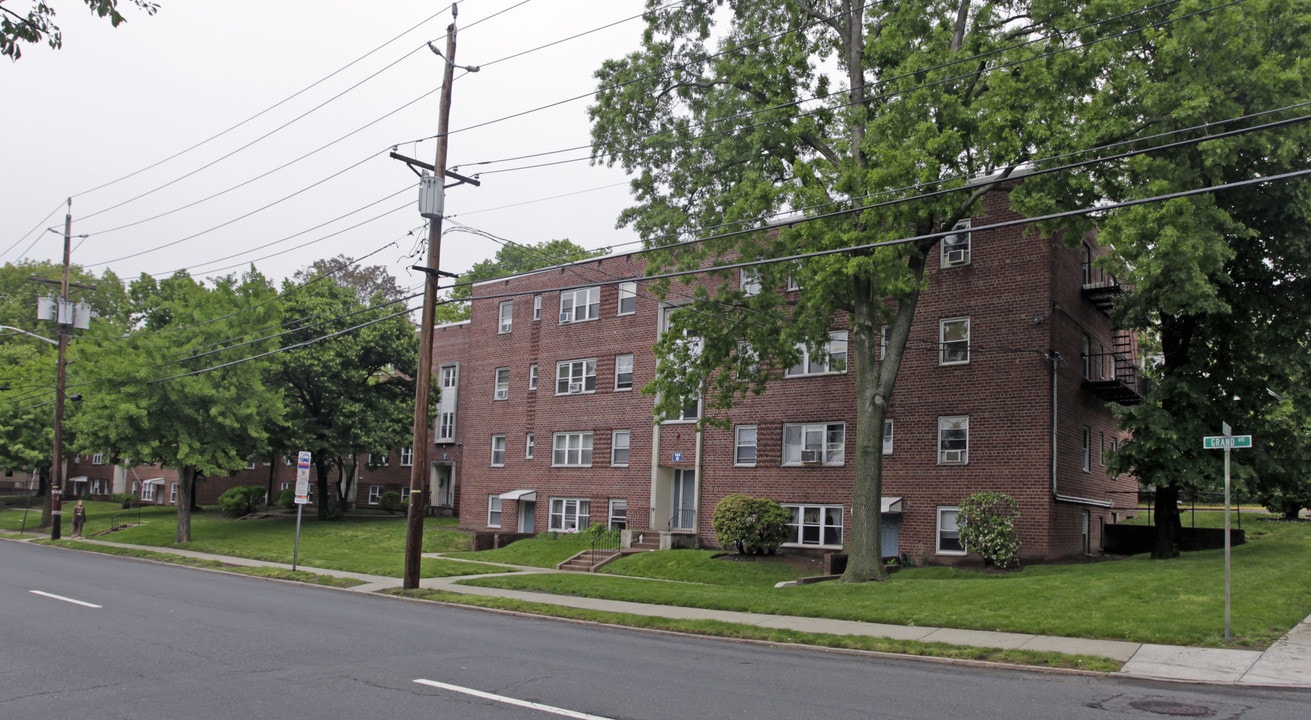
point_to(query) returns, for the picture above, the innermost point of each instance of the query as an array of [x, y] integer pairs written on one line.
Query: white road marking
[[65, 599], [512, 701]]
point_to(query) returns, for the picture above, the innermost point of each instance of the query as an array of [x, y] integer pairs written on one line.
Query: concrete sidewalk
[[1287, 663]]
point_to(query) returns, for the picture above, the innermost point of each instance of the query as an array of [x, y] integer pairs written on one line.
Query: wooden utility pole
[[419, 471], [61, 378]]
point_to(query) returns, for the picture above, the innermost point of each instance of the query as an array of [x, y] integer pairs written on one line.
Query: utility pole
[[419, 470], [61, 378]]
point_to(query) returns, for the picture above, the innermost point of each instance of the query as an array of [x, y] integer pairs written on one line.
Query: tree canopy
[[38, 24]]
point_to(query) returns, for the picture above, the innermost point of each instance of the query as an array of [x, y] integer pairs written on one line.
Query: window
[[148, 492], [831, 359], [375, 494], [954, 341], [623, 372], [949, 532], [887, 437], [407, 457], [954, 440], [502, 384], [493, 511], [172, 493], [627, 297], [537, 307], [618, 514], [572, 449], [956, 246], [569, 514], [405, 494], [498, 451], [450, 375], [99, 459], [750, 281], [1087, 358], [532, 376], [883, 341], [819, 525], [579, 305], [250, 464], [1087, 448], [744, 445], [507, 317], [529, 446], [1101, 448], [690, 407], [575, 376], [379, 459], [100, 487], [814, 444], [446, 427], [619, 442]]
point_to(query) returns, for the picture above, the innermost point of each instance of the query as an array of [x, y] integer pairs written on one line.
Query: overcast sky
[[113, 102]]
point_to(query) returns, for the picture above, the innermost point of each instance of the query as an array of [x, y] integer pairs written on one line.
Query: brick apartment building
[[1005, 386]]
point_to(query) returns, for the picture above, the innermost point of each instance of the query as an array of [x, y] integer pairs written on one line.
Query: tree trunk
[[269, 497], [43, 492], [1168, 527], [322, 466], [186, 493]]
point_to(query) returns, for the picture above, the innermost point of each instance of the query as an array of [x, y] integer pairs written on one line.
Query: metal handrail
[[604, 545]]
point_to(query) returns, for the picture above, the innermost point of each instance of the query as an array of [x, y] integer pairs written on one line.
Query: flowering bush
[[987, 527]]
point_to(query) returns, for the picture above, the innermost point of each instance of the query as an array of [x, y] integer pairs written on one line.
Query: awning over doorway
[[78, 479], [891, 505], [153, 481], [520, 495]]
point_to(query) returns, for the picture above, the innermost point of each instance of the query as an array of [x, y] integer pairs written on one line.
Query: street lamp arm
[[24, 332]]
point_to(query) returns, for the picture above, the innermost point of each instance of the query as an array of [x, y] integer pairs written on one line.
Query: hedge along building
[[1005, 386]]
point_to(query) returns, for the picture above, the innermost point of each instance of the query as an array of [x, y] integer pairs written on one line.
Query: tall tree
[[352, 393], [511, 259], [733, 114], [1221, 281], [186, 388], [38, 24]]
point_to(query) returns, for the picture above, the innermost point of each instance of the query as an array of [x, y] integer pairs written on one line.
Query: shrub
[[987, 527], [241, 500], [287, 499], [390, 501], [752, 526]]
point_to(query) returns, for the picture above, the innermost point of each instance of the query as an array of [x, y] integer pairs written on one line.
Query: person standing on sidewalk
[[79, 519]]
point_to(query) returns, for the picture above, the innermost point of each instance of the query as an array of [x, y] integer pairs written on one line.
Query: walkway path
[[1287, 663]]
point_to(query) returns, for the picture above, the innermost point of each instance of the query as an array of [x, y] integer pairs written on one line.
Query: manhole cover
[[1170, 707]]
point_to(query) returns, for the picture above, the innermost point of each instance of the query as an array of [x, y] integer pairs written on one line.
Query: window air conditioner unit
[[575, 387], [956, 257], [505, 327], [953, 456], [502, 394], [565, 317], [810, 457]]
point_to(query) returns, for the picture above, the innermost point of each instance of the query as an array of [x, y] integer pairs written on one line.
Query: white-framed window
[[817, 525], [883, 340], [814, 443], [949, 532], [498, 451], [494, 511], [954, 440], [445, 427], [744, 445], [502, 384], [954, 340], [375, 494], [98, 459], [407, 457], [507, 317], [887, 437], [405, 494], [956, 246], [450, 376], [286, 460], [172, 493], [690, 411], [627, 297], [537, 307], [618, 514], [148, 492], [1087, 448], [250, 464], [569, 514], [750, 281], [532, 376], [619, 444], [579, 305], [623, 372], [571, 449], [832, 358], [529, 446], [575, 376], [101, 487]]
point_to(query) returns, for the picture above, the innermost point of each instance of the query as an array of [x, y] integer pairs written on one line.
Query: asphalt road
[[90, 636]]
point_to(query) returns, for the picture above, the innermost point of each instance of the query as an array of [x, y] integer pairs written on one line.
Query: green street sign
[[1226, 442]]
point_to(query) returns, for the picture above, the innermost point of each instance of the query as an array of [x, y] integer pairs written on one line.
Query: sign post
[[1228, 441], [302, 498]]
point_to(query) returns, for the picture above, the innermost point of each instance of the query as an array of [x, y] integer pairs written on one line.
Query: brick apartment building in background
[[1004, 386]]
